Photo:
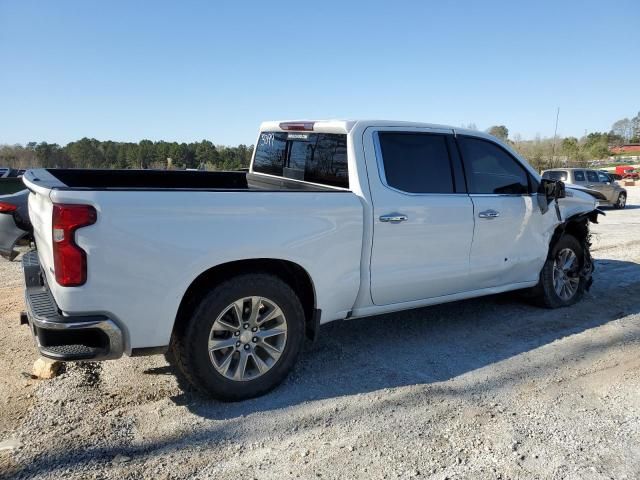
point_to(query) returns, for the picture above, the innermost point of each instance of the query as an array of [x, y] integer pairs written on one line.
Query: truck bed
[[105, 179]]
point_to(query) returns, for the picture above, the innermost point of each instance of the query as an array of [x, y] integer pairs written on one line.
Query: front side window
[[603, 177], [312, 157], [490, 169], [416, 162], [592, 176], [578, 176]]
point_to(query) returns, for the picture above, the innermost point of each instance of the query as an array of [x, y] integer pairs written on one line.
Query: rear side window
[[592, 176], [312, 157], [578, 176], [416, 162], [490, 169], [555, 175]]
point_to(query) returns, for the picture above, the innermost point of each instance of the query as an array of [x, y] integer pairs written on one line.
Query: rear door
[[579, 178], [422, 215], [508, 242]]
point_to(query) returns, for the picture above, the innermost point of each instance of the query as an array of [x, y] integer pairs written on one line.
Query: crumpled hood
[[578, 200]]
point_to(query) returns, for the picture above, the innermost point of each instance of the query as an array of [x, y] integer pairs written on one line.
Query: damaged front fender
[[578, 226]]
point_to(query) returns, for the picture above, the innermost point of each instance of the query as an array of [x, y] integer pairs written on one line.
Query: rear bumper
[[66, 338]]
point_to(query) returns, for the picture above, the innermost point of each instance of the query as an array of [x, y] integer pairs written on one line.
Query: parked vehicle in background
[[10, 185], [627, 171], [614, 176], [334, 220], [602, 182], [15, 227]]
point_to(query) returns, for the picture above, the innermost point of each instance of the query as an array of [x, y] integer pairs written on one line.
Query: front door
[[509, 245], [605, 186], [422, 216]]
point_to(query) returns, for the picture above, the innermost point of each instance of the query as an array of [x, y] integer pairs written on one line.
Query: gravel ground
[[488, 388]]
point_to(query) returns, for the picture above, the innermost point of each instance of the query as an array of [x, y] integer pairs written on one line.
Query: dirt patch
[[489, 388]]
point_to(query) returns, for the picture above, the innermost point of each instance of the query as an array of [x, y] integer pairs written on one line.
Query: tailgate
[[40, 182]]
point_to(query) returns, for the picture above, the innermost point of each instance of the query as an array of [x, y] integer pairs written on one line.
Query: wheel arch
[[578, 226], [290, 272]]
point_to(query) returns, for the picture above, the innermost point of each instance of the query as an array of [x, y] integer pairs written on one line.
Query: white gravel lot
[[488, 388]]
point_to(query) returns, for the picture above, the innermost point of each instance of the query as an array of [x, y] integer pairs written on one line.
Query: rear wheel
[[621, 202], [243, 338], [561, 284]]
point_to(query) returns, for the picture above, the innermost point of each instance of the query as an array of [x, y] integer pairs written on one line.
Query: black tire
[[544, 294], [621, 202], [190, 347]]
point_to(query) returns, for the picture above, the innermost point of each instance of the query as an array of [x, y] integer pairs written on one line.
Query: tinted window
[[490, 169], [312, 157], [603, 177], [270, 153], [555, 175], [592, 176], [416, 162], [578, 176]]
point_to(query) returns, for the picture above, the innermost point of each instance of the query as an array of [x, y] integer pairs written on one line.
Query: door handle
[[489, 214], [394, 218]]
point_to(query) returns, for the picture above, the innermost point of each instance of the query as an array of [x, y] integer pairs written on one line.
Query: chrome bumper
[[66, 338]]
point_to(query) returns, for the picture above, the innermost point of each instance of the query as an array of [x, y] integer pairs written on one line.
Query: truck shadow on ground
[[432, 344], [420, 347]]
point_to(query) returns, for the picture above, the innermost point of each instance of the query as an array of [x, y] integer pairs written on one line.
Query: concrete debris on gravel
[[9, 444], [491, 388], [45, 369]]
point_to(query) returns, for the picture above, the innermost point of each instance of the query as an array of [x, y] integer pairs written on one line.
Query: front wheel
[[243, 338], [621, 202], [561, 280]]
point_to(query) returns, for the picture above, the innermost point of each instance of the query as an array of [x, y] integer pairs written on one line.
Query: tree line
[[552, 152], [92, 153]]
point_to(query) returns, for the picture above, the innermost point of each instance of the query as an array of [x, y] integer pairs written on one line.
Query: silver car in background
[[615, 195]]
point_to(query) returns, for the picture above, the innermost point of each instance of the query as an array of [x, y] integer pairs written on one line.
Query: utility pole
[[555, 136]]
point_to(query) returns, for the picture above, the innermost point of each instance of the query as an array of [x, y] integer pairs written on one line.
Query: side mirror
[[548, 191]]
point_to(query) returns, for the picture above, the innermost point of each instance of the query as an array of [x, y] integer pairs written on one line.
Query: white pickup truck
[[334, 220]]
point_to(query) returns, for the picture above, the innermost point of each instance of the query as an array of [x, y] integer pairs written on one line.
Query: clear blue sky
[[188, 70]]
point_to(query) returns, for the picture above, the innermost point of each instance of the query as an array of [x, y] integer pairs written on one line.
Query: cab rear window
[[312, 157]]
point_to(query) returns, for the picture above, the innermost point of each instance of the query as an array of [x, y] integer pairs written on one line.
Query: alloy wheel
[[565, 274], [248, 338], [622, 200]]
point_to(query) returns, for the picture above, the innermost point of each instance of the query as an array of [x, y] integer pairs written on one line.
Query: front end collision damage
[[578, 226], [581, 206]]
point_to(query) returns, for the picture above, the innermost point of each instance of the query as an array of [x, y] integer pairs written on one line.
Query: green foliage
[[92, 153], [635, 129], [499, 131], [571, 149]]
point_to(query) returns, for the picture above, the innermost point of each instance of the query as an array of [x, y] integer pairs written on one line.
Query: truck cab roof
[[346, 125]]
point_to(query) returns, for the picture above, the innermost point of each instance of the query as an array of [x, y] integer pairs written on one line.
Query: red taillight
[[69, 260], [7, 207], [298, 126]]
